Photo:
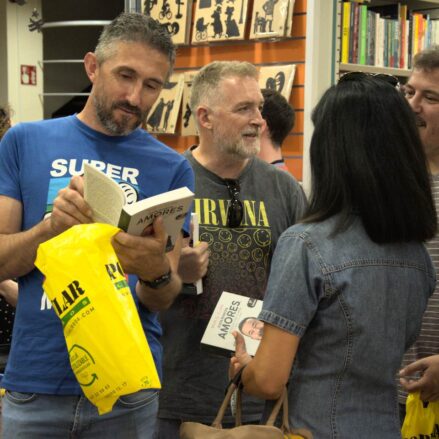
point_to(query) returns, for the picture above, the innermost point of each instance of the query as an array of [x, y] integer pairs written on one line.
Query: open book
[[233, 312], [108, 201]]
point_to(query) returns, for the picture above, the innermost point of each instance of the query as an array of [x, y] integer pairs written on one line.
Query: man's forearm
[[9, 291], [162, 298], [18, 250]]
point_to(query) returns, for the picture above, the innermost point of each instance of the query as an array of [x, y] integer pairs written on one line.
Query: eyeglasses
[[390, 79], [236, 208]]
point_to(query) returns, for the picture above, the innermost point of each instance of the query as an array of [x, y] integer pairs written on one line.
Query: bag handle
[[220, 415], [235, 383]]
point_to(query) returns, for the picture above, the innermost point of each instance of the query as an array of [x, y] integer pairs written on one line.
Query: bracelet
[[159, 282]]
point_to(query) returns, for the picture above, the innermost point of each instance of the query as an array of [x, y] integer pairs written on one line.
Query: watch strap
[[159, 282]]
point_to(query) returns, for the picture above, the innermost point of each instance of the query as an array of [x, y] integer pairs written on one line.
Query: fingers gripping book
[[108, 202], [233, 312]]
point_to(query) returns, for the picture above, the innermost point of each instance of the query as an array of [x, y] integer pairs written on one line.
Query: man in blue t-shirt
[[41, 195]]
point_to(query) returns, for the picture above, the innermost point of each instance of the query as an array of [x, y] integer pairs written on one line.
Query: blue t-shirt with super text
[[37, 159]]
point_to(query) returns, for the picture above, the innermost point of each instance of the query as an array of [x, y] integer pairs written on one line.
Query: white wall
[[22, 47], [3, 55]]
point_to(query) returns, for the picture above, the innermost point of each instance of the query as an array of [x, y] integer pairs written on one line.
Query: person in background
[[8, 288], [5, 120], [41, 195], [278, 115], [243, 204], [422, 359], [349, 285]]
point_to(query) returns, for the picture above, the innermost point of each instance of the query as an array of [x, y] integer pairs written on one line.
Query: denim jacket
[[357, 307]]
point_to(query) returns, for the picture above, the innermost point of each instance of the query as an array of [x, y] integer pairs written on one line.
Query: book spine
[[196, 241], [362, 38], [415, 45], [379, 42], [345, 32], [124, 221], [371, 41], [355, 35], [351, 32], [410, 41], [403, 38], [396, 44], [385, 41], [407, 44]]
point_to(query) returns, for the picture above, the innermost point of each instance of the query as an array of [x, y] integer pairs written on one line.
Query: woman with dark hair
[[348, 286]]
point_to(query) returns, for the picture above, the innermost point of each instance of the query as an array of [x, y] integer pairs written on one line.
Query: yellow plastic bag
[[108, 350], [420, 422]]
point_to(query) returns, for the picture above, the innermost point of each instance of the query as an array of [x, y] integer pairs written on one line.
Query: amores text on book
[[108, 202], [233, 312]]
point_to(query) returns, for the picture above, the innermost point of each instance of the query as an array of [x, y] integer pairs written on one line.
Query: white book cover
[[163, 115], [174, 16], [269, 19], [233, 312], [279, 78], [108, 202]]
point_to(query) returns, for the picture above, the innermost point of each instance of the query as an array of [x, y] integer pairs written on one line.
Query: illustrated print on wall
[[269, 18], [148, 5], [289, 22], [163, 115], [219, 20], [174, 15], [279, 78], [277, 83], [188, 126]]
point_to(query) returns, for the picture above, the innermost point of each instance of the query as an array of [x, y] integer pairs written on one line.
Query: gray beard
[[238, 151]]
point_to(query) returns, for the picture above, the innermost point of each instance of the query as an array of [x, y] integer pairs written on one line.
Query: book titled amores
[[233, 312], [108, 202]]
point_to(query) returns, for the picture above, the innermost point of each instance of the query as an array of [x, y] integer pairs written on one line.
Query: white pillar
[[20, 47]]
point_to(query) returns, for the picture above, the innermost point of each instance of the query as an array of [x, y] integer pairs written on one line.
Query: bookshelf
[[393, 43], [346, 67]]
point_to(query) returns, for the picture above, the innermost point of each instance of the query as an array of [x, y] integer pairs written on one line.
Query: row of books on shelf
[[385, 36], [215, 20], [163, 117]]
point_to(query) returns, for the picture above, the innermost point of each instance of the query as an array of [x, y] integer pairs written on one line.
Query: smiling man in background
[[244, 204], [422, 359]]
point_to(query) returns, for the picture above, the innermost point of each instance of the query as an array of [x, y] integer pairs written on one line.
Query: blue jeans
[[38, 416]]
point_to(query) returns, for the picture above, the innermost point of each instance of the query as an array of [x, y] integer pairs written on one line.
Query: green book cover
[[362, 35]]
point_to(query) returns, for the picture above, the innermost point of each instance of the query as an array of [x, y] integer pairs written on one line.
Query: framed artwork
[[163, 115], [219, 20], [289, 23], [188, 126], [279, 78], [174, 15], [270, 17]]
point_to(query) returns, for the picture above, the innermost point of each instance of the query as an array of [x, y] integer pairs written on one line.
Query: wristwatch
[[159, 282]]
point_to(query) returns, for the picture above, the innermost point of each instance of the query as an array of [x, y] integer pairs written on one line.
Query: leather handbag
[[195, 430]]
